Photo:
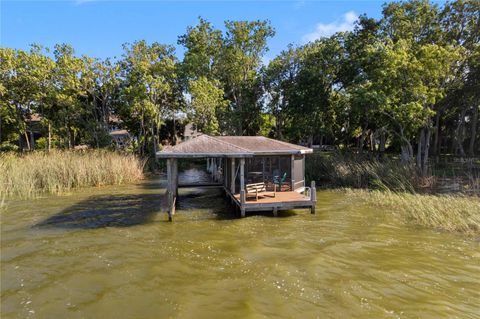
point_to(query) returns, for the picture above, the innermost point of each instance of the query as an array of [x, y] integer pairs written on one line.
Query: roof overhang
[[206, 146], [163, 154], [200, 155]]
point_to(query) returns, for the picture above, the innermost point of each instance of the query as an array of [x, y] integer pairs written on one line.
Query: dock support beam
[[232, 175], [242, 187], [242, 174], [242, 203], [313, 197], [275, 211], [292, 172], [172, 186]]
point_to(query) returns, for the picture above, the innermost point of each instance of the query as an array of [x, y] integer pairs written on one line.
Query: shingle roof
[[231, 146]]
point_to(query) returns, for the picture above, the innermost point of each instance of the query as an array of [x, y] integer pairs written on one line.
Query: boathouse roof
[[231, 146]]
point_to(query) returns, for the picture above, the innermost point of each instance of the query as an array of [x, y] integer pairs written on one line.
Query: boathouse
[[256, 173]]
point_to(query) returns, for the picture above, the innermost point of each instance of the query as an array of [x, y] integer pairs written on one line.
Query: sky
[[99, 28]]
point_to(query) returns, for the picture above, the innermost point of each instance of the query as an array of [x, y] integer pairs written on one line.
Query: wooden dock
[[281, 201], [240, 164]]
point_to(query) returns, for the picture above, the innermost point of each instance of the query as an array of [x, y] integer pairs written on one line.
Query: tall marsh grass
[[337, 170], [56, 172], [454, 213]]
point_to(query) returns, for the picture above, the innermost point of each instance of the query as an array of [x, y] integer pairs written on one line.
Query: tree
[[207, 103], [203, 45], [244, 45], [102, 84], [25, 77], [278, 82], [149, 90]]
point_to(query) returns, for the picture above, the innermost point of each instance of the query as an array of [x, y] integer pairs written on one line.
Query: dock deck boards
[[280, 197], [281, 201]]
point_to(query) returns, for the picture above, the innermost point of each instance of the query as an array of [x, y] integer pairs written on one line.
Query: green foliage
[[207, 102], [150, 92], [408, 79], [231, 61]]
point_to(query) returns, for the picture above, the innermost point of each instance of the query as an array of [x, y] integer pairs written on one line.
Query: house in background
[[190, 132], [121, 138]]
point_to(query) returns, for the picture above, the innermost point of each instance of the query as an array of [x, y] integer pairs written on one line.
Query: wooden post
[[213, 168], [263, 169], [232, 175], [292, 171], [172, 186], [242, 174], [175, 177], [169, 188], [313, 197], [242, 187], [225, 171], [275, 211], [242, 203]]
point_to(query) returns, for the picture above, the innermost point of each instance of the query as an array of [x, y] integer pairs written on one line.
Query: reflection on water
[[109, 253]]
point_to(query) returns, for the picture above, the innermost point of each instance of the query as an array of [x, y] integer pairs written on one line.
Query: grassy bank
[[351, 170], [333, 170], [32, 174], [453, 213], [397, 189]]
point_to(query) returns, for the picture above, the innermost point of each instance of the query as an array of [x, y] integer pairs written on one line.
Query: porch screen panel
[[299, 171]]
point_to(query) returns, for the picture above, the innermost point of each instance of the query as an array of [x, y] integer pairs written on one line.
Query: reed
[[453, 213], [31, 174], [337, 170]]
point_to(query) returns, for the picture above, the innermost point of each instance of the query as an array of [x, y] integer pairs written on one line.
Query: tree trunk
[[406, 149], [27, 139], [436, 146], [421, 141], [459, 134], [174, 131], [381, 147], [406, 153], [362, 140], [19, 127], [310, 140], [154, 139], [49, 136], [32, 141], [473, 132], [372, 141], [425, 150]]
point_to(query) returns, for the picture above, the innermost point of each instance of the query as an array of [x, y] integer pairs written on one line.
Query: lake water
[[110, 253]]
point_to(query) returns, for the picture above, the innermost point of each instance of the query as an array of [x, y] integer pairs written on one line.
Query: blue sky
[[99, 28]]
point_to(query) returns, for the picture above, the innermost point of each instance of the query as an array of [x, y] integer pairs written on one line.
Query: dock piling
[[313, 197]]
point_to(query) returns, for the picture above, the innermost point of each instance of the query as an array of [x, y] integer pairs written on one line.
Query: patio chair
[[279, 181]]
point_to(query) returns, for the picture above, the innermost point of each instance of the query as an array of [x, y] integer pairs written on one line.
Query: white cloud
[[327, 29]]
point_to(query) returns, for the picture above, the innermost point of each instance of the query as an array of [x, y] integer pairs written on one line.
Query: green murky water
[[109, 253]]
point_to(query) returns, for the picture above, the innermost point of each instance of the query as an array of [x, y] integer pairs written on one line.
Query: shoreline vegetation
[[405, 83], [33, 174], [452, 213], [364, 171], [392, 187], [447, 199]]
